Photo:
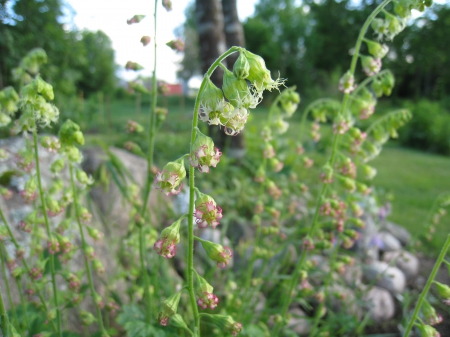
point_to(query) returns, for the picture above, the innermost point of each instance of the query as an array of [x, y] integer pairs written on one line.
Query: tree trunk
[[211, 37], [234, 35], [210, 26]]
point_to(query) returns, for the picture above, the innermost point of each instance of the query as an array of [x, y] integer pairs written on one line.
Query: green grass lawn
[[414, 178]]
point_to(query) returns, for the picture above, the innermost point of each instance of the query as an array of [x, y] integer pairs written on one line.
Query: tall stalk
[[287, 299], [25, 265], [47, 228], [190, 258], [147, 190], [424, 292], [83, 244], [8, 289], [4, 321]]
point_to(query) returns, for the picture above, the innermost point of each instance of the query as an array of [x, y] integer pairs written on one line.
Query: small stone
[[299, 323], [405, 261], [389, 242], [399, 232], [385, 276], [380, 304]]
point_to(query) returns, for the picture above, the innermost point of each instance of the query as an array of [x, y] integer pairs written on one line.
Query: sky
[[110, 16]]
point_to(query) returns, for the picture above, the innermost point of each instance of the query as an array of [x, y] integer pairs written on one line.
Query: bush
[[429, 128]]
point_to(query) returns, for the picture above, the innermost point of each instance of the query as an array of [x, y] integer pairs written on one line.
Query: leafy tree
[[76, 61], [97, 74]]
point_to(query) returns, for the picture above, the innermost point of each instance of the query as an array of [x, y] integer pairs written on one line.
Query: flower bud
[[169, 308], [83, 178], [130, 65], [134, 127], [357, 222], [222, 255], [402, 9], [430, 315], [177, 45], [53, 206], [289, 101], [444, 291], [205, 293], [275, 164], [237, 91], [171, 177], [87, 318], [95, 233], [135, 19], [43, 88], [348, 183], [98, 266], [327, 174], [178, 321], [394, 25], [371, 66], [167, 4], [206, 211], [204, 154], [70, 134], [51, 143], [369, 171], [427, 331], [387, 83], [376, 49], [241, 67], [145, 40], [8, 100], [266, 133], [377, 87], [347, 83], [269, 151], [259, 75], [279, 125], [226, 324], [212, 105], [170, 237]]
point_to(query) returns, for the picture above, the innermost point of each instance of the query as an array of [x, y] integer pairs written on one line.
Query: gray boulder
[[383, 275], [399, 232], [405, 261], [380, 304]]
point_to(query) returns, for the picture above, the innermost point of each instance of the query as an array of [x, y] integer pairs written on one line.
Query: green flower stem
[[25, 264], [326, 284], [379, 120], [49, 234], [295, 275], [367, 80], [190, 258], [23, 303], [8, 289], [150, 154], [4, 321], [422, 296], [309, 108], [83, 244]]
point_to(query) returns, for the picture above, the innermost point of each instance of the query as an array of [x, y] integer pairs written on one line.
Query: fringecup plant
[[228, 108]]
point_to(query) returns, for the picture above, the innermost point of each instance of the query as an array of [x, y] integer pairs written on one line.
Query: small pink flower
[[204, 157], [165, 248], [53, 246], [167, 4], [171, 177], [28, 195], [207, 212], [208, 300]]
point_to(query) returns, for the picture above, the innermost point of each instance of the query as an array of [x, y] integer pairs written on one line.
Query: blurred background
[[308, 42]]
